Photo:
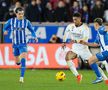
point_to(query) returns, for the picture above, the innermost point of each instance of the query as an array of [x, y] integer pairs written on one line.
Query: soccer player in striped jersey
[[18, 26], [102, 40]]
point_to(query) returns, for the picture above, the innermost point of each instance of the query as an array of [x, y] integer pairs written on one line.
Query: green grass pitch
[[45, 80]]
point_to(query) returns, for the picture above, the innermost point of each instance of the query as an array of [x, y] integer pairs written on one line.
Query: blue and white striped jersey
[[18, 28], [102, 38]]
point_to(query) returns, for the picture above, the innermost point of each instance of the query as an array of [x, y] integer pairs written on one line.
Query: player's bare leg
[[69, 57]]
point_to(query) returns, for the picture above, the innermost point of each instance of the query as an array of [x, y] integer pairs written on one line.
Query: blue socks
[[23, 66], [95, 69]]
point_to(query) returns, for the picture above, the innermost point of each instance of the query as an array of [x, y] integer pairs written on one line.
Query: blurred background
[[49, 19], [55, 10]]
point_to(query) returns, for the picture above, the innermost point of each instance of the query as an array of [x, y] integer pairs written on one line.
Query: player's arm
[[90, 44], [29, 26], [95, 44], [6, 27], [65, 36]]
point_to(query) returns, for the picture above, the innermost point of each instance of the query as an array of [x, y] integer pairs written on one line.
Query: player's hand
[[5, 33], [63, 45], [73, 41], [82, 42]]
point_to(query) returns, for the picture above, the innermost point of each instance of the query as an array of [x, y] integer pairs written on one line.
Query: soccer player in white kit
[[78, 31]]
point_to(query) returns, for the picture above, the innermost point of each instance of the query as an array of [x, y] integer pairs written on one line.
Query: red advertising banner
[[39, 56]]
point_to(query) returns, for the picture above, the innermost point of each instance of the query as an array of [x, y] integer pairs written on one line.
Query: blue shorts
[[18, 50], [102, 55]]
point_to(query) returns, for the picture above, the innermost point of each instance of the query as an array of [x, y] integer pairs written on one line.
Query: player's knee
[[91, 61], [23, 55], [70, 56], [16, 58]]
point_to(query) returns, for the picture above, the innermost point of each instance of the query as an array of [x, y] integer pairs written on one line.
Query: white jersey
[[78, 33]]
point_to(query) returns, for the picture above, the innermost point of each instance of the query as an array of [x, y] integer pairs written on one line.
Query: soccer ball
[[60, 76]]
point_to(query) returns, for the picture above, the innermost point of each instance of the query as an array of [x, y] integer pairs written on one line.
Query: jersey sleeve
[[86, 33], [29, 26], [7, 25], [66, 33]]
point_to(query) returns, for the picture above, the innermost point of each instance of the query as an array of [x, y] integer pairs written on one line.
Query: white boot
[[21, 80]]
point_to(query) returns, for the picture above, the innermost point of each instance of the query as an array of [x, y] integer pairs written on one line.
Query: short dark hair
[[18, 9], [99, 21], [77, 15]]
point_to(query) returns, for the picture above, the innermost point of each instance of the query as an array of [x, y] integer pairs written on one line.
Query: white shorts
[[84, 53]]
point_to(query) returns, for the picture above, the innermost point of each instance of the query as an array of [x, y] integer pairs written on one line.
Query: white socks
[[21, 80], [106, 65], [72, 67], [103, 74]]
